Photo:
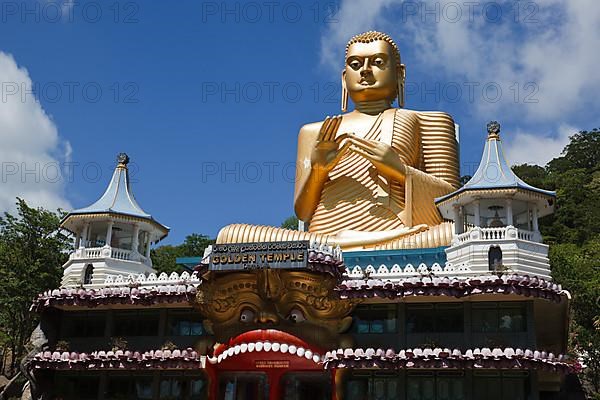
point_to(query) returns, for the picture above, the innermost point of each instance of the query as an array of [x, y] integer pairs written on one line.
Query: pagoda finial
[[122, 160], [493, 128]]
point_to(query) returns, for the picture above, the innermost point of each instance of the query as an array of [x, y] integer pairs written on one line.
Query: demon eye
[[296, 315], [247, 315]]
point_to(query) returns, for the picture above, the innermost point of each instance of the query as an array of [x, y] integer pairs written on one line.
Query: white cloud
[[547, 50], [531, 148], [30, 147]]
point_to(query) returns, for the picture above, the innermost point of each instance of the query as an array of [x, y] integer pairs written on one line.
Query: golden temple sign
[[249, 256]]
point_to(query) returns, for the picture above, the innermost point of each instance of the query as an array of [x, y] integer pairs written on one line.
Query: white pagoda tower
[[496, 216], [112, 236]]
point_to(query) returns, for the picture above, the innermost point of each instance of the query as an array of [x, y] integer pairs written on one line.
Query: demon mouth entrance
[[268, 365]]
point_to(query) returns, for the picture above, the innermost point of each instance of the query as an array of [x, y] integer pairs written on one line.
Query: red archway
[[255, 364]]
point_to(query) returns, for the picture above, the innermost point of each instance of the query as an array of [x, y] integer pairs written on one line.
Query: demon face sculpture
[[301, 303]]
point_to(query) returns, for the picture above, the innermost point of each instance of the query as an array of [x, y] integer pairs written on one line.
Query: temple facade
[[296, 319]]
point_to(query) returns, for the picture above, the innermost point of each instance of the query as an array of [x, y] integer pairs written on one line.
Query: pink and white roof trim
[[119, 359], [521, 285], [145, 296], [438, 358], [184, 291]]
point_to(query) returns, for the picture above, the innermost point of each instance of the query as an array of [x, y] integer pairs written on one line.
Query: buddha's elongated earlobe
[[401, 86], [344, 93]]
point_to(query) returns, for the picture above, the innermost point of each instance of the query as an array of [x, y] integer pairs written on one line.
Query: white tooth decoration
[[230, 351], [251, 347], [236, 349], [220, 358], [259, 346], [316, 358], [300, 352], [276, 346], [284, 348], [244, 347], [224, 355], [267, 346], [292, 349], [308, 354]]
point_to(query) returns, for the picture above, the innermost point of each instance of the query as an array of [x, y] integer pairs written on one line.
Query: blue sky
[[207, 97]]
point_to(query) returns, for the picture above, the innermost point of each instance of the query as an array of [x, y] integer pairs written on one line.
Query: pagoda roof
[[494, 172], [118, 198]]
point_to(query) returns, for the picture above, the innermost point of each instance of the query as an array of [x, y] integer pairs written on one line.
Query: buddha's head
[[372, 69]]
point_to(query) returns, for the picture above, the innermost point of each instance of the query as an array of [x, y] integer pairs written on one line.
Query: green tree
[[164, 257], [534, 175], [32, 252], [577, 269], [290, 223], [574, 232], [576, 177]]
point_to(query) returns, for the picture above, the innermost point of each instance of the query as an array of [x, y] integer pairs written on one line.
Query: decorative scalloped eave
[[147, 295], [497, 358], [522, 285], [163, 359]]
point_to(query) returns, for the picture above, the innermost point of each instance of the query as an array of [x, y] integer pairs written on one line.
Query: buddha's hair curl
[[371, 36]]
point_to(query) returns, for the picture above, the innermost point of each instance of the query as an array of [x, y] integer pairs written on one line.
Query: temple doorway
[[250, 385], [243, 386], [306, 386]]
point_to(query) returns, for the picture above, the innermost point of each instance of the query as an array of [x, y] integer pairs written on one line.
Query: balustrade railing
[[92, 252], [497, 233], [525, 235], [120, 254], [493, 233], [109, 252]]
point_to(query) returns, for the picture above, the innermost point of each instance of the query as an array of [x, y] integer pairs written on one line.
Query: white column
[[84, 234], [477, 213], [457, 220], [509, 212], [135, 242], [147, 245], [535, 219], [77, 239], [109, 233]]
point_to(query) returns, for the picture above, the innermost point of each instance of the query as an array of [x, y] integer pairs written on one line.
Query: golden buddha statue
[[368, 178]]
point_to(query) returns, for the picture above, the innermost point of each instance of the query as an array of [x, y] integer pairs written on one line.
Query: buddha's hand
[[327, 151], [381, 155]]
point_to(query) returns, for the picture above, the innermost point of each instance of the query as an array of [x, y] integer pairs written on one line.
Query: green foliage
[[32, 251], [574, 232], [164, 257], [464, 179], [575, 176], [290, 223], [534, 175]]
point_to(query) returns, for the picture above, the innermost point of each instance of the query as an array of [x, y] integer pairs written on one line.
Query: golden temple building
[[401, 284]]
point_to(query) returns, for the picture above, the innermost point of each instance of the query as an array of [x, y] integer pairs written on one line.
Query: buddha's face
[[370, 71], [299, 303]]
